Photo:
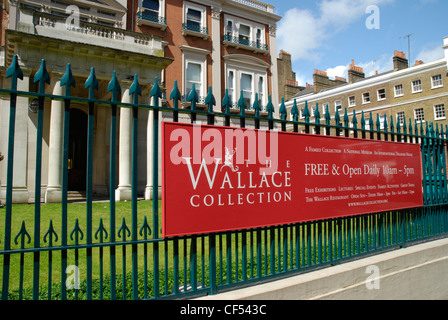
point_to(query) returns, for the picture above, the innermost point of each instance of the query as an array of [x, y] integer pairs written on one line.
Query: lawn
[[50, 261]]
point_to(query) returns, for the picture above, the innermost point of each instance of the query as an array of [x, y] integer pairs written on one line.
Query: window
[[324, 107], [351, 101], [231, 85], [416, 86], [419, 115], [249, 78], [399, 90], [260, 91], [401, 118], [439, 112], [366, 97], [150, 8], [337, 105], [381, 94], [367, 125], [246, 87], [313, 111], [244, 34], [382, 127], [194, 71], [436, 81], [194, 18], [258, 38], [229, 28]]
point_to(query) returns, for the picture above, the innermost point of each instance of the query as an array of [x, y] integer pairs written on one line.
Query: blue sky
[[328, 34]]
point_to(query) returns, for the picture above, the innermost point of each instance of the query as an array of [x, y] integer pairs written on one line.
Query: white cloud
[[428, 54], [302, 32], [299, 33], [339, 71]]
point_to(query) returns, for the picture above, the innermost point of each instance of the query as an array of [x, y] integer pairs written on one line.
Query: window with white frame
[[419, 115], [338, 105], [324, 107], [416, 86], [382, 121], [366, 97], [194, 18], [351, 101], [244, 34], [260, 91], [313, 111], [238, 31], [151, 8], [258, 36], [194, 71], [439, 112], [231, 85], [152, 13], [401, 118], [248, 75], [246, 85], [367, 124], [381, 94], [398, 90], [436, 81], [193, 76], [229, 28]]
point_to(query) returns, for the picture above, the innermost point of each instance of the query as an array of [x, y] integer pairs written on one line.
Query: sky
[[328, 34]]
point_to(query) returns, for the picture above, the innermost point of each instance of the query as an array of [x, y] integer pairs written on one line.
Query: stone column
[[150, 157], [20, 190], [55, 158], [124, 190]]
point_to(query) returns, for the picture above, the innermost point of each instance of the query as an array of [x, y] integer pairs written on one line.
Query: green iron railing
[[38, 264], [246, 42]]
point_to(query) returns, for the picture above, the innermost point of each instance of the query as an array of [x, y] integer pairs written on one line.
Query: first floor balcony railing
[[195, 30], [241, 42], [149, 18]]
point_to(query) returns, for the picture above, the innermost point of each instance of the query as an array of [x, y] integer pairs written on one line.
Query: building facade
[[419, 92], [288, 87], [227, 44], [222, 44]]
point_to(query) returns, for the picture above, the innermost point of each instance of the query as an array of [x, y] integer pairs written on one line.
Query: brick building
[[220, 43], [223, 44], [419, 92], [287, 84]]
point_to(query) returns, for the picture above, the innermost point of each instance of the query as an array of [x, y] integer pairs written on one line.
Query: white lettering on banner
[[233, 179]]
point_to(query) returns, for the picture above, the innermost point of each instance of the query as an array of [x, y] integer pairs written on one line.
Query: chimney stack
[[400, 61], [418, 62], [355, 73]]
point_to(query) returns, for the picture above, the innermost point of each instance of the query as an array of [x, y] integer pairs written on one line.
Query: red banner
[[220, 179]]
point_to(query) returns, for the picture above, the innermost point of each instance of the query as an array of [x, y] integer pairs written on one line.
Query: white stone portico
[[36, 35]]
